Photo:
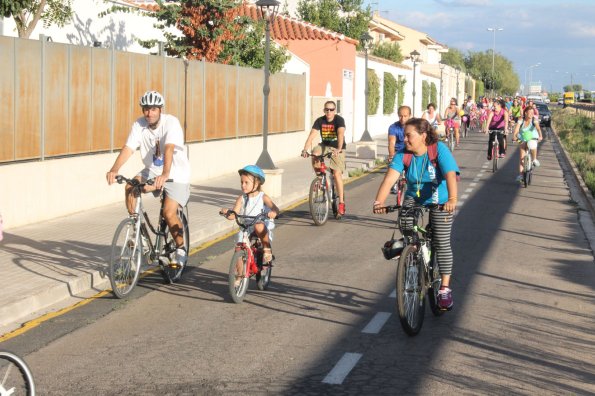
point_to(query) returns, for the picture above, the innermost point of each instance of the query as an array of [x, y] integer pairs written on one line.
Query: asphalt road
[[523, 321]]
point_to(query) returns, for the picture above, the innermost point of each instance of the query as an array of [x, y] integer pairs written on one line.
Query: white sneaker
[[180, 257], [536, 163]]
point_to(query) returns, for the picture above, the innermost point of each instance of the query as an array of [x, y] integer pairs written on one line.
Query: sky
[[560, 35]]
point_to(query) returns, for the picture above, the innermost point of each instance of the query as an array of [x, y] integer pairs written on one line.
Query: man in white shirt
[[161, 141]]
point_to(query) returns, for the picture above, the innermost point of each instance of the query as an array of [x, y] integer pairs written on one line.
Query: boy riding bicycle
[[161, 141]]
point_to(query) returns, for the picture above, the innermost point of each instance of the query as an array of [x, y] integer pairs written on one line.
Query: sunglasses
[[327, 109]]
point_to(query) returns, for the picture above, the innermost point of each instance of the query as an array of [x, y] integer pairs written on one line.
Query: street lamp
[[529, 68], [268, 11], [494, 29], [441, 66], [366, 41], [414, 57], [457, 70]]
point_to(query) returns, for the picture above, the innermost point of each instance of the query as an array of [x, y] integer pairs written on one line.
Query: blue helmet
[[253, 170]]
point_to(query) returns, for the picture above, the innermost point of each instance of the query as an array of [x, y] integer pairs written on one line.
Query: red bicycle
[[247, 260]]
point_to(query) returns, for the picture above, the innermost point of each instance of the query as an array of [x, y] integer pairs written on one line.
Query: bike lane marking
[[375, 325], [342, 368]]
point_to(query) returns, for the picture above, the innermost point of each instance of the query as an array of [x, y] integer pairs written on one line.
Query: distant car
[[545, 115], [560, 101], [546, 100]]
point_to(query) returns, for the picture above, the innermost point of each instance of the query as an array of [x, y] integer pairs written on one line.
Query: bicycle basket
[[392, 248]]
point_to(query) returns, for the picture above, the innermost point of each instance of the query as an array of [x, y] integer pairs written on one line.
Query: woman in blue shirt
[[428, 184]]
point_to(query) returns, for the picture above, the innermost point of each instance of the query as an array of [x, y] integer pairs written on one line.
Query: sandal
[[267, 255]]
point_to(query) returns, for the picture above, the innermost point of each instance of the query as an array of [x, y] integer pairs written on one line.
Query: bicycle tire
[[526, 165], [451, 141], [263, 278], [410, 291], [173, 274], [125, 260], [433, 288], [238, 292], [15, 382], [319, 202], [529, 177], [495, 153]]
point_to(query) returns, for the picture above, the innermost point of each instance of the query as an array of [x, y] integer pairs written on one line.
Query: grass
[[576, 133], [356, 172]]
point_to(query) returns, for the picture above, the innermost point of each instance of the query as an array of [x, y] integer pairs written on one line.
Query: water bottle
[[425, 251]]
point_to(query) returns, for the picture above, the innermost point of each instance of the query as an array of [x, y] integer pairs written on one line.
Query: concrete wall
[[42, 190]]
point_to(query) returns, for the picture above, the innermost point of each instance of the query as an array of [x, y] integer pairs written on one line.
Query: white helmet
[[152, 98]]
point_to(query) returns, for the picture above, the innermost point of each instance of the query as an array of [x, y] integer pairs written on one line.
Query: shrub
[[390, 93], [425, 94], [374, 92], [401, 90], [390, 51], [433, 94]]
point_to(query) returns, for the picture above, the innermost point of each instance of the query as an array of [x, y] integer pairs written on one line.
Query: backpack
[[432, 155]]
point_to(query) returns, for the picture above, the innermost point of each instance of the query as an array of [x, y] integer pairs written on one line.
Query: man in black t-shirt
[[331, 128]]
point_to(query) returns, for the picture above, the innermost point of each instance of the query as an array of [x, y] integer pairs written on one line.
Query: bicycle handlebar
[[328, 155], [135, 182], [415, 206], [239, 218]]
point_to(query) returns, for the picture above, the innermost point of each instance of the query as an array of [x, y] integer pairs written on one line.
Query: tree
[[390, 93], [390, 51], [27, 13], [573, 88], [342, 16], [212, 30], [503, 81], [454, 58]]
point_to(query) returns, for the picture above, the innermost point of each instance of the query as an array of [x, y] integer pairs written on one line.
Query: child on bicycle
[[252, 202]]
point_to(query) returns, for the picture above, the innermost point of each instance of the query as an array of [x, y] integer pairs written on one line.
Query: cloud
[[464, 3], [582, 30], [424, 20]]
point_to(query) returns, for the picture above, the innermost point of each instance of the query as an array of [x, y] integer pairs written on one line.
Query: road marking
[[473, 184], [393, 294], [342, 368], [469, 190], [464, 197], [476, 179], [485, 165], [376, 323]]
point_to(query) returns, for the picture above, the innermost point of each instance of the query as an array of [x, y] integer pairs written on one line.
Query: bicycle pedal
[[174, 265]]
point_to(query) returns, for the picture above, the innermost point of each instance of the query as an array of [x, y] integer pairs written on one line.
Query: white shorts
[[268, 223], [179, 192], [532, 144]]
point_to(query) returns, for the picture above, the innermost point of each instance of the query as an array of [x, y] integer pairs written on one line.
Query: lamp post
[[531, 69], [494, 29], [268, 11], [458, 71], [414, 57], [441, 66], [366, 41]]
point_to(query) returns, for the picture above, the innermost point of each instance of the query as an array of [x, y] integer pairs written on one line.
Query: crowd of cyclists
[[415, 153]]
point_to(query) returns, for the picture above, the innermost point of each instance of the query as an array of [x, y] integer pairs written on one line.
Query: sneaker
[[536, 163], [445, 299], [519, 179], [179, 258], [502, 156], [489, 157], [342, 208]]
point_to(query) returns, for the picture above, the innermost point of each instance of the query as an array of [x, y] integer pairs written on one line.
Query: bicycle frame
[[253, 248], [495, 147]]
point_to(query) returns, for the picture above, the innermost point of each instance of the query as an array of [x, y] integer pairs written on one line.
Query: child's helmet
[[253, 170]]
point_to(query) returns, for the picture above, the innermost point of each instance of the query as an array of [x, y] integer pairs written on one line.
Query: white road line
[[473, 184], [376, 323], [342, 368], [469, 190], [393, 294], [485, 165], [476, 179], [464, 197]]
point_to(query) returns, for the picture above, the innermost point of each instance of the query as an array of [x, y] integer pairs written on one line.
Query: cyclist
[[331, 128], [516, 111], [431, 115], [252, 202], [452, 118], [161, 141], [428, 182], [396, 137], [497, 121], [528, 132], [468, 108]]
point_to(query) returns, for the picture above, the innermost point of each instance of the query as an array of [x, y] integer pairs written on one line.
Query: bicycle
[[449, 124], [247, 260], [527, 162], [132, 243], [15, 376], [417, 269], [495, 147], [322, 192], [464, 120]]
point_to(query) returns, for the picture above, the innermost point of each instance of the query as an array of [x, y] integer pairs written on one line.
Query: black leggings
[[501, 148]]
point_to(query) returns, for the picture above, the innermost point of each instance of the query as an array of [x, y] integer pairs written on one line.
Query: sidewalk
[[45, 264]]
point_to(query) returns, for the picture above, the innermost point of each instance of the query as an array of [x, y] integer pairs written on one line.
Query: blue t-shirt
[[398, 131], [431, 181]]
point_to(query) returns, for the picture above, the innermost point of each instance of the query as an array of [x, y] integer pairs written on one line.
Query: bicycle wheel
[[125, 259], [495, 153], [526, 171], [15, 376], [172, 274], [319, 202], [451, 141], [434, 287], [238, 279], [410, 291], [263, 278]]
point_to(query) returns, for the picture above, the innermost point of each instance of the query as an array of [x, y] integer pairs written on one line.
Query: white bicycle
[[15, 376]]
